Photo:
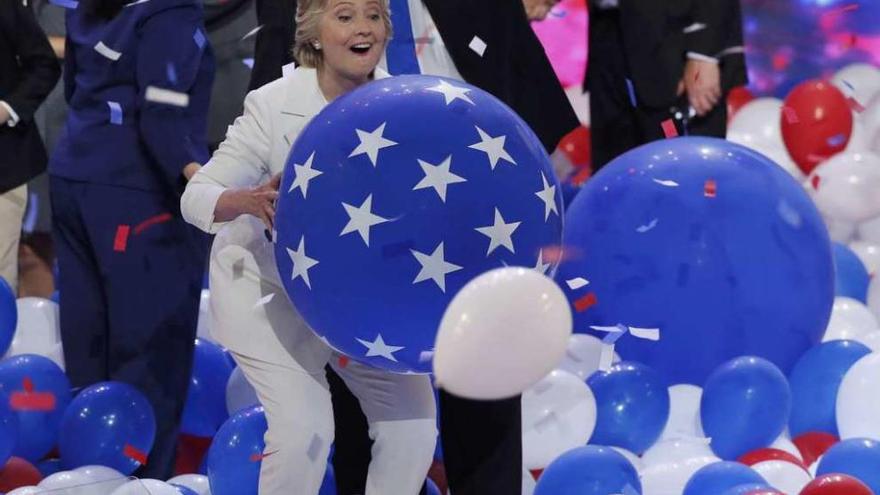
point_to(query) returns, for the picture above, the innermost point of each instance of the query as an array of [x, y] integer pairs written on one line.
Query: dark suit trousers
[[129, 299], [619, 122]]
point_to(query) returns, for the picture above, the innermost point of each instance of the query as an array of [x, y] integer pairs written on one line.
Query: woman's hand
[[257, 201]]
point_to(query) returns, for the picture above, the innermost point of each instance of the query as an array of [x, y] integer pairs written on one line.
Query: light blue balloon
[[745, 406], [235, 455]]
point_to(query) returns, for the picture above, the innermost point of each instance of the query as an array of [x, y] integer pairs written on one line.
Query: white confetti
[[606, 358], [478, 46], [667, 183], [426, 356], [136, 2], [647, 228], [252, 32], [264, 300], [107, 52], [610, 329], [645, 333], [693, 28], [577, 283], [167, 97], [287, 70]]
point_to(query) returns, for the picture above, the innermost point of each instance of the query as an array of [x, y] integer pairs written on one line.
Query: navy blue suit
[[130, 268]]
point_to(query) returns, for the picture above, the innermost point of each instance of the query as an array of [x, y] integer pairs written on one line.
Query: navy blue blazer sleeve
[[38, 66], [171, 47]]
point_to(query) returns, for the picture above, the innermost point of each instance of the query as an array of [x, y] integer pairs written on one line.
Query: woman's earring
[[316, 45]]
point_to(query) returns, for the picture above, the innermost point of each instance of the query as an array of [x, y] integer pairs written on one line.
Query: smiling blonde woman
[[340, 43]]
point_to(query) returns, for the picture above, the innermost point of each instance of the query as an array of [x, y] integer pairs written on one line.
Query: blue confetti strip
[[115, 112], [171, 73], [632, 93], [67, 4], [199, 38]]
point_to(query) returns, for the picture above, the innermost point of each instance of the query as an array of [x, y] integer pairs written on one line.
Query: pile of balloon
[[691, 330]]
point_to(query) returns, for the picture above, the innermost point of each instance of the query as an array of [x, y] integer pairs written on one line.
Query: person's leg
[[351, 451], [82, 303], [297, 406], [12, 206], [482, 445], [402, 415], [151, 270]]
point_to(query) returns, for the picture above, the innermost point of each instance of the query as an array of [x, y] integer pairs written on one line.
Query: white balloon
[[870, 119], [869, 253], [850, 319], [814, 467], [860, 81], [582, 355], [869, 231], [784, 476], [785, 444], [780, 156], [239, 392], [845, 186], [558, 414], [669, 464], [203, 327], [64, 479], [146, 487], [633, 459], [839, 231], [37, 331], [874, 297], [528, 483], [858, 399], [502, 332], [684, 412], [97, 473], [27, 490], [859, 140], [196, 482], [872, 340], [757, 124]]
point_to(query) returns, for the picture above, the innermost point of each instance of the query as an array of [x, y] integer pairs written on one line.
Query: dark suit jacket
[[656, 44], [514, 66], [28, 72]]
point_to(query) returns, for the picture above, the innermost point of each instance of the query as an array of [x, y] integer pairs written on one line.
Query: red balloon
[[736, 99], [813, 444], [836, 484], [761, 455], [816, 123], [190, 452], [18, 473], [576, 146]]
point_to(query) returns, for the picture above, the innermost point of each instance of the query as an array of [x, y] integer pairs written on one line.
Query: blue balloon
[[328, 486], [717, 477], [49, 467], [111, 424], [851, 278], [589, 470], [184, 490], [8, 315], [814, 382], [235, 455], [8, 429], [40, 392], [745, 406], [205, 408], [707, 240], [432, 487], [856, 457], [373, 249], [632, 402]]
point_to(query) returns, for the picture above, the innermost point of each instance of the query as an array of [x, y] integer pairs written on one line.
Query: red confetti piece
[[585, 302], [781, 61], [157, 219], [135, 454], [536, 473], [27, 384], [343, 361], [32, 401], [710, 189], [790, 115], [120, 242], [854, 105], [260, 457], [815, 182], [669, 129]]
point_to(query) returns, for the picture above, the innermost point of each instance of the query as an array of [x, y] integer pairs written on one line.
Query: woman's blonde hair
[[308, 18]]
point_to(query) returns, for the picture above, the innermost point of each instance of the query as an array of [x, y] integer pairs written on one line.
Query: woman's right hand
[[257, 201]]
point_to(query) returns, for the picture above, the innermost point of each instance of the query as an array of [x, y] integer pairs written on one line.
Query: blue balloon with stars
[[709, 242], [394, 197]]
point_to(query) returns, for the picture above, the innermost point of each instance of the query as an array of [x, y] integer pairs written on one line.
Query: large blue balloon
[[814, 382], [856, 457], [418, 193], [109, 423], [632, 402], [746, 489], [39, 392], [717, 477], [235, 456], [205, 408], [710, 242], [8, 315], [851, 278], [8, 429], [589, 470], [745, 406]]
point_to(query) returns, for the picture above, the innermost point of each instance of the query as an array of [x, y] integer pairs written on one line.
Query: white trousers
[[12, 206], [284, 361]]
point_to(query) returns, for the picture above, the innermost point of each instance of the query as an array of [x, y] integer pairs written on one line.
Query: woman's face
[[352, 36]]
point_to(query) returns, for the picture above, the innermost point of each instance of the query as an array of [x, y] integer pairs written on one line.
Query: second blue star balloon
[[394, 197]]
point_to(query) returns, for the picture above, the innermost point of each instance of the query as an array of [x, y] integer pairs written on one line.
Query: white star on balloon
[[548, 196], [371, 143], [361, 219], [499, 233], [301, 262], [540, 265], [493, 147], [438, 177], [378, 347], [434, 267], [302, 175], [451, 93]]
